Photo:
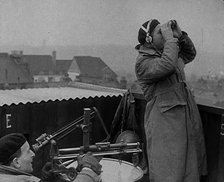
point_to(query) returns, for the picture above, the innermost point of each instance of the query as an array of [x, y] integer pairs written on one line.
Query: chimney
[[54, 57]]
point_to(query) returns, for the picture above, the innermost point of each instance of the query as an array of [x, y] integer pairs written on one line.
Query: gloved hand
[[88, 160], [48, 174], [176, 29], [166, 30]]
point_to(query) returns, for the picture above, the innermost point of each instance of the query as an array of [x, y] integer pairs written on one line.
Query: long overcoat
[[174, 134]]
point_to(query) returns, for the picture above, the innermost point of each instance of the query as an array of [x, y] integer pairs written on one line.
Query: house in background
[[46, 70], [13, 71], [92, 70], [62, 67], [18, 68], [42, 67]]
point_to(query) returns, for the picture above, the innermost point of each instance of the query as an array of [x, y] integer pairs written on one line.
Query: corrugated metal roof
[[89, 86], [8, 97]]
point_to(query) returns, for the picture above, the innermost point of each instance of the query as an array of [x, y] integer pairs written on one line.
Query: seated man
[[16, 159]]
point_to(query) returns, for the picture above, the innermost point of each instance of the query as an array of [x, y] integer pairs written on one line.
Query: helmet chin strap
[[147, 27]]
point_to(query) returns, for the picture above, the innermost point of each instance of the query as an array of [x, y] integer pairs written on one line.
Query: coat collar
[[11, 170], [150, 50]]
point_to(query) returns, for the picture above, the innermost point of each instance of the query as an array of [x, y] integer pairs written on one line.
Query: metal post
[[85, 127]]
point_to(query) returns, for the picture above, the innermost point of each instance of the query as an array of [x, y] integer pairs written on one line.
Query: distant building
[[92, 70], [13, 71], [42, 67], [18, 68], [61, 69], [74, 71]]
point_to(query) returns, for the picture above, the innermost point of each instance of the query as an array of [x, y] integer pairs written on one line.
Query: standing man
[[174, 133], [16, 159]]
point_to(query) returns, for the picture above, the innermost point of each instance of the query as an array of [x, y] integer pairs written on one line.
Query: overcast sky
[[90, 22]]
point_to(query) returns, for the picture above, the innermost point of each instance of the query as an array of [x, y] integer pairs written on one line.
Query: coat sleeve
[[151, 68], [187, 49]]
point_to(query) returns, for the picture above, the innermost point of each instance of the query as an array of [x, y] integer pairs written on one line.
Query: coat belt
[[172, 88]]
